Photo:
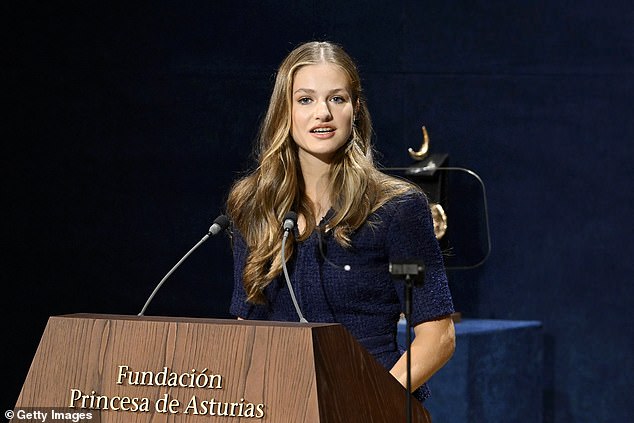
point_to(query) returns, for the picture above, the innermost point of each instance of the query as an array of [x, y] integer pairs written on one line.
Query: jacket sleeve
[[411, 237]]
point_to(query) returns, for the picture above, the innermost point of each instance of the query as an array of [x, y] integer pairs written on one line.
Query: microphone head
[[290, 220], [222, 221], [220, 224]]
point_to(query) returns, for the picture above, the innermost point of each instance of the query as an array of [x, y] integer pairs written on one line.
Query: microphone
[[220, 224], [289, 223]]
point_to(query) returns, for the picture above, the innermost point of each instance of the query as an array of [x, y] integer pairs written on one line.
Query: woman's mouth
[[322, 130]]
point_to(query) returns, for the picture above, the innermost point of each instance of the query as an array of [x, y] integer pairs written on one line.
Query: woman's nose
[[322, 111]]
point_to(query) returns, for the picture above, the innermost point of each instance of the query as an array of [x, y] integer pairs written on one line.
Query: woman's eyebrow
[[311, 91]]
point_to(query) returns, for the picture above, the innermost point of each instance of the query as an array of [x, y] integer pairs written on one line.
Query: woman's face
[[322, 111]]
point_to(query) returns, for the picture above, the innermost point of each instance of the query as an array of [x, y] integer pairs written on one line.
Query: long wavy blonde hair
[[258, 202]]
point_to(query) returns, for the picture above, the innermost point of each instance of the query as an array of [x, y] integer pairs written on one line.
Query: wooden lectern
[[165, 369]]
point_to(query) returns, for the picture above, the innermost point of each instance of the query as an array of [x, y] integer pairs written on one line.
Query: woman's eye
[[338, 99], [304, 100]]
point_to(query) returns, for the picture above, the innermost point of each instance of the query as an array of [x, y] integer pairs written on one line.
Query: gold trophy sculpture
[[437, 212]]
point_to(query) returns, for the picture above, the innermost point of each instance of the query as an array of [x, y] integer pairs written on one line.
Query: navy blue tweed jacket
[[366, 300]]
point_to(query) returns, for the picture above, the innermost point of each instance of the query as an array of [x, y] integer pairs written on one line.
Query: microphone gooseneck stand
[[220, 224], [290, 220]]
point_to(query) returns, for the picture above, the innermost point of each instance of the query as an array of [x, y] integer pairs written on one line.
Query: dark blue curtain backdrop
[[125, 124]]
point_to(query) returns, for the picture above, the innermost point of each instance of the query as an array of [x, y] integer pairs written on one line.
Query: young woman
[[315, 158]]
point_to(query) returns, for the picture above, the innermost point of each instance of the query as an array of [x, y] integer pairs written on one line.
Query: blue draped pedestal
[[495, 374]]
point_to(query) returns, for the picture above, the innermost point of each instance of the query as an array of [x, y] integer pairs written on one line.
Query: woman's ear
[[357, 106]]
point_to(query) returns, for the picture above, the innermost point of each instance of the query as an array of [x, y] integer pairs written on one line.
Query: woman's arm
[[433, 345]]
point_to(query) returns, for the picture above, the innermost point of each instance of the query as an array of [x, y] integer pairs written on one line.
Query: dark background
[[125, 124]]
